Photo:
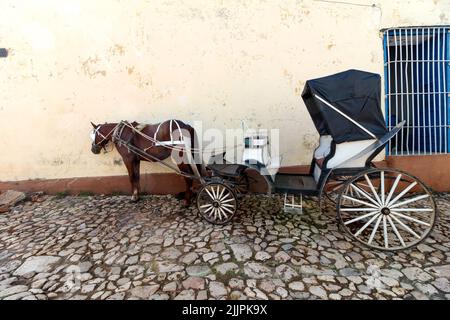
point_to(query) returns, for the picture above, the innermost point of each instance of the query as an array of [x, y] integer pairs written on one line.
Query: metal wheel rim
[[217, 203], [387, 221]]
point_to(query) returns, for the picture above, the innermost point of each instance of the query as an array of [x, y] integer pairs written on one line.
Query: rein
[[97, 132]]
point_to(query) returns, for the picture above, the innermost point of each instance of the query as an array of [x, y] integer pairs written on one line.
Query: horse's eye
[[92, 136]]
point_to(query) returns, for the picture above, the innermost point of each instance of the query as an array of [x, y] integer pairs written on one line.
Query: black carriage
[[382, 208]]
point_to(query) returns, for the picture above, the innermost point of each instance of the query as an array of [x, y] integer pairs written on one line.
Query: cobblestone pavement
[[108, 248]]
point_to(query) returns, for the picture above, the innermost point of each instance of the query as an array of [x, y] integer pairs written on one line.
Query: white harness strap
[[171, 141], [157, 130]]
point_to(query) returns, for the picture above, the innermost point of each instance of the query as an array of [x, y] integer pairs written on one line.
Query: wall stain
[[89, 68], [288, 75], [310, 141], [299, 87], [117, 49]]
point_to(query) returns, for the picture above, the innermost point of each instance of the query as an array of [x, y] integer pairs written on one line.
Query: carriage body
[[385, 209]]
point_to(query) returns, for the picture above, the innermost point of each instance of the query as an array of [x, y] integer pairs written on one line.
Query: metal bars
[[417, 63]]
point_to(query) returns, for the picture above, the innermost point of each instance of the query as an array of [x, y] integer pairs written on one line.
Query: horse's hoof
[[134, 200]]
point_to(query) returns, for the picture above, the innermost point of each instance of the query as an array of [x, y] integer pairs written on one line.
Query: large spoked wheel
[[217, 202], [387, 209]]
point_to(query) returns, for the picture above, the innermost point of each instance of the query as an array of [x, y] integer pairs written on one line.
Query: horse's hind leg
[[136, 186], [188, 193]]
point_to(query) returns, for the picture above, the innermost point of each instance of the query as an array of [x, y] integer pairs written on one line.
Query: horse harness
[[118, 131]]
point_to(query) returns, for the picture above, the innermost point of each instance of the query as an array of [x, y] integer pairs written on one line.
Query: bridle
[[96, 132]]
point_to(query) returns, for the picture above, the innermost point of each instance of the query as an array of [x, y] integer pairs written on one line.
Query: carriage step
[[293, 203]]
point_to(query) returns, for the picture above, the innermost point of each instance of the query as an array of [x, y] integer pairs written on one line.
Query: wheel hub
[[385, 211], [216, 204]]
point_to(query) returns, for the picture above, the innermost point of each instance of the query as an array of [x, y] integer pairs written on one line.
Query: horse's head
[[100, 135]]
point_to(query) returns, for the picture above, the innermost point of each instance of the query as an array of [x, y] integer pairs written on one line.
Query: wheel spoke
[[210, 195], [391, 192], [365, 226], [228, 210], [409, 218], [396, 231], [385, 233], [413, 209], [360, 201], [219, 213], [215, 213], [382, 186], [404, 226], [375, 228], [402, 193], [221, 193], [227, 205], [357, 209], [206, 205], [364, 194], [361, 217], [210, 208], [226, 196], [223, 212], [372, 188], [217, 192], [409, 201], [228, 200]]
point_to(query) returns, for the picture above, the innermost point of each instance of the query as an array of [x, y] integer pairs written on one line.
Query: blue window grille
[[417, 89]]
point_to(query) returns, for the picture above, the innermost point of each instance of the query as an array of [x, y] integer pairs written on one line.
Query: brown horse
[[134, 136]]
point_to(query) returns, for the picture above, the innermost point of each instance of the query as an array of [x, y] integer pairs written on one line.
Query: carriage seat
[[323, 149]]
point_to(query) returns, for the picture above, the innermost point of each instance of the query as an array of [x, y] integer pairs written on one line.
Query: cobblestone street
[[104, 247]]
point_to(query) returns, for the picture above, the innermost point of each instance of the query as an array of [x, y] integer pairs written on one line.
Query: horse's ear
[[95, 126]]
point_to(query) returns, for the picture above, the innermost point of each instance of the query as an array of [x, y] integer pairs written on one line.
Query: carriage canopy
[[334, 101]]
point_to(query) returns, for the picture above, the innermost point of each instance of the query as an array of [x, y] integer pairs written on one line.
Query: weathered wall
[[74, 61]]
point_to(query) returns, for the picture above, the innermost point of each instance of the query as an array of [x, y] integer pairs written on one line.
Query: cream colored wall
[[73, 61]]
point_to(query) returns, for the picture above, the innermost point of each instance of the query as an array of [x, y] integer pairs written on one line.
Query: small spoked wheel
[[386, 209], [217, 202]]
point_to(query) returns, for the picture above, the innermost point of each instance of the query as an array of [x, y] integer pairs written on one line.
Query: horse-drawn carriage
[[382, 208]]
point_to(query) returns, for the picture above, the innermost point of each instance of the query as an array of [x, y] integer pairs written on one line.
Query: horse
[[146, 138]]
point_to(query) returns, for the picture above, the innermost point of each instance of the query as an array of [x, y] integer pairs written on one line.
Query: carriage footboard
[[295, 184]]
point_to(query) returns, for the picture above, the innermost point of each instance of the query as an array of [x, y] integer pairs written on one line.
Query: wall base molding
[[434, 170]]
